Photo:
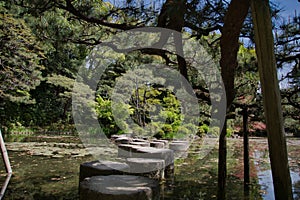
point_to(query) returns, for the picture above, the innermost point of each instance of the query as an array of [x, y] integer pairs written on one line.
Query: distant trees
[[288, 60]]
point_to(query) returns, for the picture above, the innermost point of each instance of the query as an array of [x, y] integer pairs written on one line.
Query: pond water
[[55, 175], [266, 182], [264, 174], [38, 177]]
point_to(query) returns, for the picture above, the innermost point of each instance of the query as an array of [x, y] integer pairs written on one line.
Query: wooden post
[[7, 166], [264, 43], [246, 151], [5, 155]]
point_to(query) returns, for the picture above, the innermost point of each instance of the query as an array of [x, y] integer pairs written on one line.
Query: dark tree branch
[[283, 59], [202, 31], [70, 8]]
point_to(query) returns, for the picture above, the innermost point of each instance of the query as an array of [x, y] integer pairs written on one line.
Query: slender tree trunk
[[246, 151], [272, 101], [233, 23], [222, 164]]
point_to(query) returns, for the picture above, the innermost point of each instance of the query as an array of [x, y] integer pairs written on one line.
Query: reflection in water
[[265, 180], [5, 184]]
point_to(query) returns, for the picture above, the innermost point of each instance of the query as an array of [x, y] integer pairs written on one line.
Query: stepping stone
[[153, 168], [164, 141], [179, 146], [149, 152], [164, 154], [103, 168], [119, 187], [139, 140], [142, 144], [113, 137], [125, 150], [133, 151], [159, 145], [123, 140]]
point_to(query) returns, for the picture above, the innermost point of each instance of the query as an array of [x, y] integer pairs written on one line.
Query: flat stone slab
[[103, 168], [119, 187]]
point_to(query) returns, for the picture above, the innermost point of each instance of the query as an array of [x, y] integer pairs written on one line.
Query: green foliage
[[247, 79], [106, 117], [229, 132], [203, 129], [43, 44], [20, 56]]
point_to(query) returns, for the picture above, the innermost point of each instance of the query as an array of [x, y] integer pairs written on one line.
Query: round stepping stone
[[153, 168], [149, 152], [103, 168], [159, 145], [123, 140], [164, 154], [113, 137], [139, 140], [119, 187], [125, 150], [164, 141], [179, 146], [142, 144]]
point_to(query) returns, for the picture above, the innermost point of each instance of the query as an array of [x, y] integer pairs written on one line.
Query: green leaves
[[20, 69]]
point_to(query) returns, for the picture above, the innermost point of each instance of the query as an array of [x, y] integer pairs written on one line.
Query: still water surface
[[56, 177]]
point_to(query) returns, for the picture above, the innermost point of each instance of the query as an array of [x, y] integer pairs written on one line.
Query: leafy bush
[[229, 132], [203, 129]]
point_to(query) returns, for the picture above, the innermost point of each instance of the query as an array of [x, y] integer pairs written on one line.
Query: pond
[[54, 175], [264, 174]]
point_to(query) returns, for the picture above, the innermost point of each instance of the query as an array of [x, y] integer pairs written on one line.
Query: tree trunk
[[246, 151], [222, 164], [271, 96], [233, 23]]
